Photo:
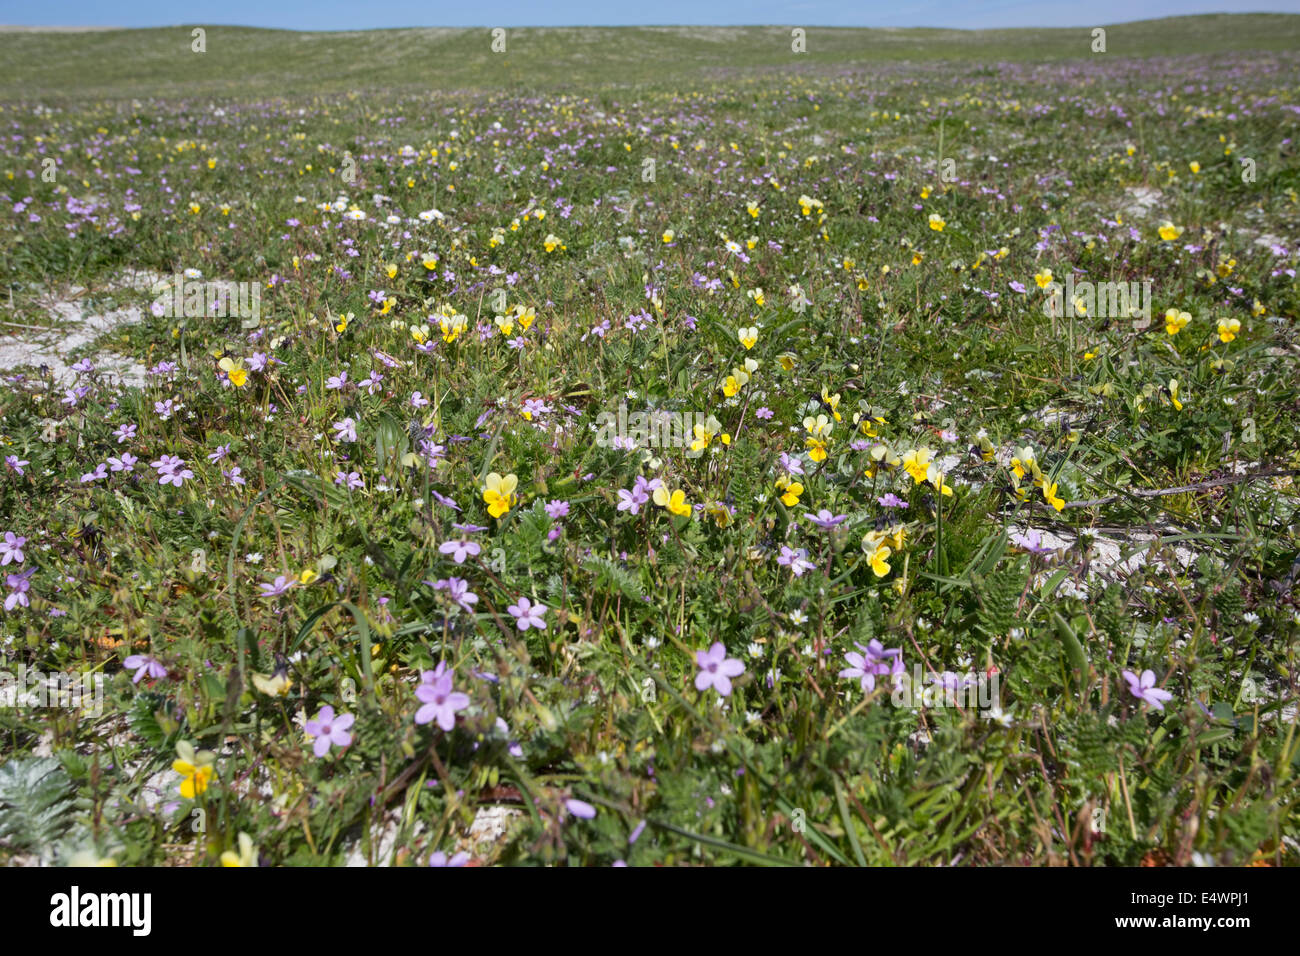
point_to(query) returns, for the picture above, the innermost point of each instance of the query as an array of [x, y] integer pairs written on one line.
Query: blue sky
[[357, 15]]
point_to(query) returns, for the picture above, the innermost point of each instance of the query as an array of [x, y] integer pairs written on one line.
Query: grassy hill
[[241, 61]]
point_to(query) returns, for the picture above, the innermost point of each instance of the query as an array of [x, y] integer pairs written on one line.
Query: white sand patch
[[1139, 200], [70, 327]]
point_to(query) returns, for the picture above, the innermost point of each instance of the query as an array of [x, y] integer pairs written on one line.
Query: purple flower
[[125, 463], [124, 433], [11, 461], [282, 584], [329, 730], [11, 548], [144, 666], [461, 549], [1031, 542], [234, 477], [824, 519], [441, 702], [171, 470], [527, 614], [351, 479], [796, 560], [221, 452], [99, 474], [438, 858], [716, 669], [19, 585], [337, 381], [764, 413], [1144, 688], [346, 430], [580, 808], [890, 500], [557, 509], [458, 590], [873, 662]]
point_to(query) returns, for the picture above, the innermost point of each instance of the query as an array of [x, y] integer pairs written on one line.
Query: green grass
[[919, 331], [242, 61]]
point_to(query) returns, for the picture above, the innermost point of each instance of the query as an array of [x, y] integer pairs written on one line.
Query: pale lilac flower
[[441, 701], [795, 559], [124, 433], [580, 808], [19, 585], [338, 381], [418, 400], [716, 669], [458, 590], [11, 548], [281, 585], [890, 500], [352, 479], [126, 463], [329, 730], [11, 461], [873, 662], [438, 858], [557, 509], [1144, 688], [233, 476], [171, 470], [99, 474], [825, 519], [793, 465], [764, 413], [460, 549], [221, 452], [144, 666], [528, 614], [346, 430], [164, 409]]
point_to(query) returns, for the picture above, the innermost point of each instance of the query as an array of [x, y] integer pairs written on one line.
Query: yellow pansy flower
[[1228, 329], [675, 501], [748, 337], [1176, 321], [499, 493]]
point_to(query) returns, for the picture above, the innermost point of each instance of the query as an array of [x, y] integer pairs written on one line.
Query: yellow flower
[[1051, 497], [730, 387], [787, 360], [247, 855], [1194, 166], [879, 560], [748, 337], [918, 257], [388, 306], [818, 427], [342, 325], [1169, 232], [452, 326], [420, 333], [1044, 278], [552, 242], [430, 261], [833, 401], [757, 296], [674, 502], [505, 324], [237, 375], [391, 270], [1176, 321], [668, 235], [936, 222], [791, 490], [1258, 308], [916, 461], [308, 576], [863, 284], [1023, 461], [195, 769], [1228, 329], [499, 493], [1173, 394], [704, 432], [526, 316], [752, 209], [935, 477]]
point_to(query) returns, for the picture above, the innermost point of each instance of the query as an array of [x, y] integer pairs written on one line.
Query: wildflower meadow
[[651, 446]]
